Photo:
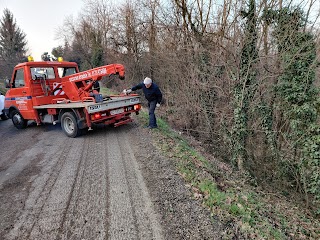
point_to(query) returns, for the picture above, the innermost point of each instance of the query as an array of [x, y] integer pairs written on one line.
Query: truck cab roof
[[47, 63]]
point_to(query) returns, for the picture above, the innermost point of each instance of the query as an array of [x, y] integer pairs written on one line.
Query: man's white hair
[[147, 80]]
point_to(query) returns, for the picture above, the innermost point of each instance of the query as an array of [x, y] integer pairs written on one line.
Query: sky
[[40, 20]]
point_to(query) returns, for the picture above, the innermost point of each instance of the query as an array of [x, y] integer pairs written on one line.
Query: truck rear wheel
[[18, 121], [69, 125]]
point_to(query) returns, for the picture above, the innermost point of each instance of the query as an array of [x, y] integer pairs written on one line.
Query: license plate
[[116, 111], [133, 100], [95, 107]]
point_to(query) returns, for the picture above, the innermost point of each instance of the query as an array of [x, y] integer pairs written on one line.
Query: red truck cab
[[34, 84]]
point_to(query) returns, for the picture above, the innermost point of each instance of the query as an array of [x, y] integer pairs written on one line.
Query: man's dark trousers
[[152, 116]]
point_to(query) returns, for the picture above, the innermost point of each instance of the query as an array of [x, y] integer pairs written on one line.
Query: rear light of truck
[[137, 107], [96, 116]]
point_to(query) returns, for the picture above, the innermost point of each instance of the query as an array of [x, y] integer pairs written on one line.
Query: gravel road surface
[[108, 184]]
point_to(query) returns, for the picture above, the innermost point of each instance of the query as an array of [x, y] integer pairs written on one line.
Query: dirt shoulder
[[182, 216]]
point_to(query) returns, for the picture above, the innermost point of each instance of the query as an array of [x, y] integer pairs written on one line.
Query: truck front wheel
[[18, 121], [69, 124]]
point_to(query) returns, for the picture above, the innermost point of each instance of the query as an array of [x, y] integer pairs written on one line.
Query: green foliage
[[245, 88], [13, 44], [310, 162], [239, 133], [58, 51], [299, 97], [12, 38], [97, 57], [265, 113]]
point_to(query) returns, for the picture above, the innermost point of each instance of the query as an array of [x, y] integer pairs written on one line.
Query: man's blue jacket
[[152, 93]]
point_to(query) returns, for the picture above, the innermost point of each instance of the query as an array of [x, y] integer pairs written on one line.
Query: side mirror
[[7, 82]]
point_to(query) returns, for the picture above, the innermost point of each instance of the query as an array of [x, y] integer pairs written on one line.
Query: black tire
[[18, 121], [69, 125]]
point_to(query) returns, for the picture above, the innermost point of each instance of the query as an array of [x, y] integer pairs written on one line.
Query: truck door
[[19, 95]]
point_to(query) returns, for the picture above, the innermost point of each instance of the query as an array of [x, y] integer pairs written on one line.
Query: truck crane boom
[[78, 86]]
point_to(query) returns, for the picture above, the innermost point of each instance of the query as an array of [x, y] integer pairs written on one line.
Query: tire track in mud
[[77, 175], [144, 207], [131, 210], [86, 216], [41, 207], [121, 212]]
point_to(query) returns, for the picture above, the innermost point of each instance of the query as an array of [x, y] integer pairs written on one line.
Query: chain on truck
[[56, 92]]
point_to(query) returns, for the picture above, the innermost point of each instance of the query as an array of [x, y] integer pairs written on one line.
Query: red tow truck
[[56, 92]]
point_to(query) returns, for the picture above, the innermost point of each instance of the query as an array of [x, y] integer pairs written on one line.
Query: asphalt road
[[112, 183], [55, 187]]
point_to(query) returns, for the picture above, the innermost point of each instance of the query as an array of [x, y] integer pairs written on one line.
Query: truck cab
[[36, 83]]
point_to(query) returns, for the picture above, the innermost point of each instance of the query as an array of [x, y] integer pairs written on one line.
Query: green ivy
[[310, 162], [245, 88], [299, 97], [265, 112]]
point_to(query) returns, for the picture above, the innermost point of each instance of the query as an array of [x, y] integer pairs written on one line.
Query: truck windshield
[[42, 72], [66, 71]]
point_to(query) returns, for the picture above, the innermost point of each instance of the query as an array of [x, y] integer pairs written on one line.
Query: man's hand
[[158, 105], [127, 91]]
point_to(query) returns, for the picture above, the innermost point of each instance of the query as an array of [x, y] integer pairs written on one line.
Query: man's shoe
[[151, 127]]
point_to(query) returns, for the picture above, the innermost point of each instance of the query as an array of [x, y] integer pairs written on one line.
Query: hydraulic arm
[[79, 86]]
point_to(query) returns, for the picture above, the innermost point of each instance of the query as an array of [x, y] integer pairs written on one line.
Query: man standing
[[152, 94]]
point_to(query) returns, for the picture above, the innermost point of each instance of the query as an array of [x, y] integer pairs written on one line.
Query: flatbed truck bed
[[112, 102]]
